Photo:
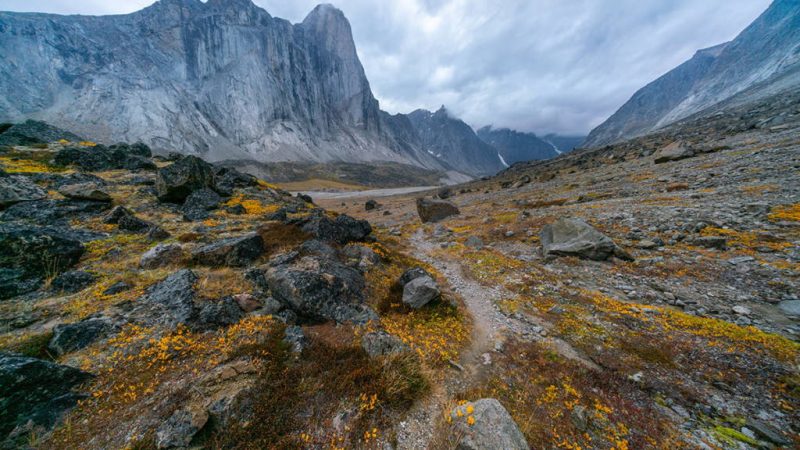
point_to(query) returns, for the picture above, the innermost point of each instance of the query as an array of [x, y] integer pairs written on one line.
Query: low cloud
[[532, 65]]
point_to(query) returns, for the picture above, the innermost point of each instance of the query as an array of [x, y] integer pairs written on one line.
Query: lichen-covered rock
[[234, 252], [342, 230], [485, 424], [574, 237], [72, 281], [18, 188], [85, 191], [420, 291], [430, 210], [219, 313], [171, 301], [34, 393], [14, 282], [296, 339], [39, 251], [53, 212], [199, 203], [177, 181], [227, 180], [75, 336], [161, 255], [181, 427], [412, 274], [33, 132], [381, 343]]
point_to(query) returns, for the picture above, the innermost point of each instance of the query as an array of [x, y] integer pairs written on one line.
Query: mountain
[[564, 144], [762, 60], [222, 79], [514, 146], [449, 139]]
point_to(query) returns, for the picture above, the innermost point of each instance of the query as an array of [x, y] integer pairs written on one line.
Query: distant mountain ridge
[[762, 60], [515, 146]]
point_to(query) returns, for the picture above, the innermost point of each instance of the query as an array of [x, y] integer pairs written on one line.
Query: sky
[[560, 66]]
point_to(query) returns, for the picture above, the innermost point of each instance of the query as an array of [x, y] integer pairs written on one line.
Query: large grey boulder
[[161, 255], [177, 181], [199, 203], [430, 210], [484, 425], [75, 336], [319, 289], [342, 229], [220, 313], [171, 301], [234, 252], [420, 291], [18, 188], [34, 394], [674, 152], [574, 237]]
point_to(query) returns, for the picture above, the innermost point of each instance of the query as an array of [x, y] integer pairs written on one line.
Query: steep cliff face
[[223, 79], [451, 140], [762, 60], [515, 146]]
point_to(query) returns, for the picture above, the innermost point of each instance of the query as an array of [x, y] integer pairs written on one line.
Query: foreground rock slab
[[574, 237], [485, 424]]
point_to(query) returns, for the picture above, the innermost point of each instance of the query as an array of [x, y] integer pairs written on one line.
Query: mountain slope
[[764, 54], [515, 146], [451, 140], [223, 79]]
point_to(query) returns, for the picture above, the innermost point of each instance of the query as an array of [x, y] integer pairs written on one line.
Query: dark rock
[[717, 242], [221, 313], [34, 391], [767, 432], [412, 274], [574, 237], [674, 152], [249, 303], [75, 336], [370, 205], [444, 193], [73, 281], [420, 291], [492, 427], [227, 180], [156, 233], [319, 289], [318, 248], [18, 188], [341, 230], [296, 339], [85, 191], [161, 255], [117, 288], [234, 252], [199, 203], [435, 210], [381, 343], [305, 198], [52, 212], [90, 159], [361, 256], [180, 428], [39, 251], [33, 132], [173, 298], [177, 181], [14, 282], [235, 209], [116, 214], [134, 224]]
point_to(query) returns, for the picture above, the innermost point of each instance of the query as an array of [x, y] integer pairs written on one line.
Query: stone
[[574, 237], [181, 427], [36, 391], [89, 159], [341, 230], [227, 180], [220, 313], [134, 224], [361, 256], [474, 242], [381, 343], [444, 193], [72, 281], [420, 291], [117, 288], [85, 191], [199, 203], [68, 338], [162, 255], [715, 242], [177, 181], [156, 233], [318, 248], [18, 188], [39, 251], [790, 307], [370, 205], [435, 210], [249, 303], [233, 252], [319, 289], [33, 132], [172, 299], [767, 432], [674, 152], [53, 212], [492, 427], [741, 310], [412, 274], [296, 339], [14, 282]]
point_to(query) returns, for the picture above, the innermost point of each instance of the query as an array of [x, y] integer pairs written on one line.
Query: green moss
[[730, 436]]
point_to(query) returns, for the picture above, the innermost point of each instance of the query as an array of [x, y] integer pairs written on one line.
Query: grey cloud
[[534, 65]]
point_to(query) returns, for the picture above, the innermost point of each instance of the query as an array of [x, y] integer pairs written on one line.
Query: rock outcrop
[[430, 210], [574, 237], [485, 424]]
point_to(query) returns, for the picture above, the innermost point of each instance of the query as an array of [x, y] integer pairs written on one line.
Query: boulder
[[180, 428], [117, 288], [199, 203], [444, 193], [39, 251], [360, 256], [370, 205], [34, 393], [14, 282], [715, 242], [295, 338], [249, 303], [53, 212], [485, 424], [574, 237], [172, 299], [72, 281], [412, 274], [18, 188], [234, 252], [342, 230], [85, 191], [227, 180], [381, 343], [221, 313], [134, 224], [674, 152], [75, 336], [89, 159], [790, 307], [116, 214], [318, 288], [33, 132], [161, 255], [435, 210], [420, 291], [177, 181]]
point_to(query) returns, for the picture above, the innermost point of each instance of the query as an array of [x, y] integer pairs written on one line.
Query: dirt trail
[[490, 328]]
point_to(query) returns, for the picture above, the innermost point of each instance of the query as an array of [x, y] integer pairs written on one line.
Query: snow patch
[[503, 161]]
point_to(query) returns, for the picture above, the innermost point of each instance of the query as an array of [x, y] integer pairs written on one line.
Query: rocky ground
[[637, 296]]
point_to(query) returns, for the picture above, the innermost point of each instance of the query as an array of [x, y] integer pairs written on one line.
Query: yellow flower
[[470, 409], [471, 420]]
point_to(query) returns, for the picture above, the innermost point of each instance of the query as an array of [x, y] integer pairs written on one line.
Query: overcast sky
[[534, 65]]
